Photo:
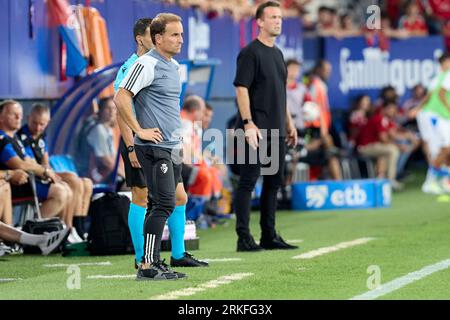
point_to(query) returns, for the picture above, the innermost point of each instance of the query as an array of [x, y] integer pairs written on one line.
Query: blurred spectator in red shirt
[[358, 118], [413, 20], [374, 141]]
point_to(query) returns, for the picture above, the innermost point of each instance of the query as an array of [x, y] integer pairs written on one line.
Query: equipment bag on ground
[[109, 233]]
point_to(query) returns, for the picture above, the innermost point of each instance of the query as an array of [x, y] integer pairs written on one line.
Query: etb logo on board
[[317, 196]]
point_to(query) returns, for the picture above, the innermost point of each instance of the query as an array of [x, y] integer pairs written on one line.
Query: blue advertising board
[[350, 194], [362, 69]]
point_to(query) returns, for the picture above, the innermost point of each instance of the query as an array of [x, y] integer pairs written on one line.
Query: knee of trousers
[[165, 206], [247, 183], [394, 151]]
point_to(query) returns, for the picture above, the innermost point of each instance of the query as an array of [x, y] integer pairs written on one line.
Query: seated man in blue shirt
[[34, 139], [53, 194]]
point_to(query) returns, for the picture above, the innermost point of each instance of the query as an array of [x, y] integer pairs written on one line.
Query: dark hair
[[103, 103], [293, 61], [160, 22], [319, 65], [389, 102], [262, 6], [444, 57], [208, 106], [140, 26], [385, 89], [323, 9], [40, 108], [192, 103], [357, 101], [6, 103]]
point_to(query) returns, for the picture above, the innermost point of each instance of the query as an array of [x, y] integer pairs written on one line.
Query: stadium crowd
[[399, 18]]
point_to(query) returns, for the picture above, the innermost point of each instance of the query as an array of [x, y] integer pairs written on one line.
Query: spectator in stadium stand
[[393, 9], [413, 21], [7, 177], [327, 21], [101, 141], [407, 142], [260, 83], [374, 141], [201, 178], [313, 148], [207, 116], [34, 138], [359, 115], [295, 92], [387, 93], [389, 31], [408, 110], [53, 194], [347, 27], [318, 90], [437, 11]]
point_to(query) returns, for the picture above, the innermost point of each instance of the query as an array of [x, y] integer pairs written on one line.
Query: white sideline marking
[[116, 276], [337, 247], [202, 287], [403, 281], [83, 264], [9, 279], [295, 241], [223, 260]]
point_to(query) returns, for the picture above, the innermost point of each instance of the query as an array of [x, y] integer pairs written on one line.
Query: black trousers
[[162, 170], [249, 174]]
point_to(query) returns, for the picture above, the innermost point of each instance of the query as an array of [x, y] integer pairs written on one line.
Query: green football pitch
[[397, 253]]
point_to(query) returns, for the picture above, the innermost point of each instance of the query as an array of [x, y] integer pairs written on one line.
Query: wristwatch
[[247, 121], [130, 149]]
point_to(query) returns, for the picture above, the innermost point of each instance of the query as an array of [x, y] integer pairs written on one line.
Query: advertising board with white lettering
[[358, 68], [350, 194]]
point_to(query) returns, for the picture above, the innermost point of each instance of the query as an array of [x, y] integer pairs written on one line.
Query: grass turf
[[410, 235]]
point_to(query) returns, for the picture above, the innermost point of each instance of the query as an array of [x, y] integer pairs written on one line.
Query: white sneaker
[[74, 237], [52, 241], [432, 187]]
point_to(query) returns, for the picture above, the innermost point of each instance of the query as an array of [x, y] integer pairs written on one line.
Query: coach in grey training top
[[155, 83]]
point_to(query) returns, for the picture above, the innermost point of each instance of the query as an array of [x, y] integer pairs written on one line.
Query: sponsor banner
[[362, 69], [351, 194], [384, 193]]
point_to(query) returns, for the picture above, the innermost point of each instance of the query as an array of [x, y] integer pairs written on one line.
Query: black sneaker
[[248, 245], [179, 274], [276, 243], [157, 272], [187, 260]]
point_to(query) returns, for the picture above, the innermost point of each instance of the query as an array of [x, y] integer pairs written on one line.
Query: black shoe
[[158, 271], [136, 267], [187, 260], [248, 245], [276, 243], [179, 274]]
